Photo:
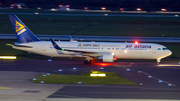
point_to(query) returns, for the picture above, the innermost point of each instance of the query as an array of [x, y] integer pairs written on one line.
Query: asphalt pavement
[[154, 82]]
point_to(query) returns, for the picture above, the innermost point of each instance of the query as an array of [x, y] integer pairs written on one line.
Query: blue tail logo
[[23, 34], [19, 28]]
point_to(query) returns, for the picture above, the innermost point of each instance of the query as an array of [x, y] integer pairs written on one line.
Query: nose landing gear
[[158, 61]]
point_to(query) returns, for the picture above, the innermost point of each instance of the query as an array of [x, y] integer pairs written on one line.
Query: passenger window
[[159, 48]]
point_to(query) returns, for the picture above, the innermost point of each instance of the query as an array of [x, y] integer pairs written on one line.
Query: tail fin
[[23, 34], [70, 38]]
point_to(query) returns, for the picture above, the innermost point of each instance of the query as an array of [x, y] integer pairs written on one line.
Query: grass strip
[[84, 78]]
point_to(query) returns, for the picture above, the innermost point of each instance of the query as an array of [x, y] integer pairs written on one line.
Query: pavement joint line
[[157, 78]]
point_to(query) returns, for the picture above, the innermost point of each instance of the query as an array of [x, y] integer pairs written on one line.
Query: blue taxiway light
[[160, 80], [102, 67], [60, 70], [48, 73], [74, 68], [49, 60], [34, 79], [127, 69]]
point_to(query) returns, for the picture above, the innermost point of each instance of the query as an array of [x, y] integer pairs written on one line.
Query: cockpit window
[[165, 49]]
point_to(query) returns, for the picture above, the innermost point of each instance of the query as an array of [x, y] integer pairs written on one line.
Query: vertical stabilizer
[[23, 34]]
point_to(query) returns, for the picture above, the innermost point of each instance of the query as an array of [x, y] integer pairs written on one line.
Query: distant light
[[125, 51], [19, 5], [42, 81], [79, 82], [112, 53], [74, 68], [52, 9], [60, 5], [48, 74], [163, 9], [136, 42], [106, 14], [67, 5], [103, 8], [86, 8], [44, 75], [149, 76], [140, 84], [139, 71], [176, 15], [36, 13], [139, 9], [121, 9], [39, 8], [7, 57], [12, 5], [60, 70]]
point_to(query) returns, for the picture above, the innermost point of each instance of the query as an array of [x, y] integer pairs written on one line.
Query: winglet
[[70, 38], [55, 45]]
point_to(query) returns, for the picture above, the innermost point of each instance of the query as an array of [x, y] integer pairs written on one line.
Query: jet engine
[[108, 58]]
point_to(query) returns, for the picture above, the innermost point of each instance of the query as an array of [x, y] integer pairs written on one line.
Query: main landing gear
[[158, 61], [89, 60]]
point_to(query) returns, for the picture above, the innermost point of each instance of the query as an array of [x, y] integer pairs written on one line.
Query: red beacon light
[[136, 42]]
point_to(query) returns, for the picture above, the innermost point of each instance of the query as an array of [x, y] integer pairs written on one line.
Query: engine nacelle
[[108, 58]]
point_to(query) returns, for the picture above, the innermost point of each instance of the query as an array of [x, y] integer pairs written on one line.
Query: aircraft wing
[[78, 51]]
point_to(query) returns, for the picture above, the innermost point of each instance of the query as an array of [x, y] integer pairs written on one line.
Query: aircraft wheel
[[90, 62], [157, 63], [86, 62]]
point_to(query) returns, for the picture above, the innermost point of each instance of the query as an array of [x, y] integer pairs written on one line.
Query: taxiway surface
[[154, 82]]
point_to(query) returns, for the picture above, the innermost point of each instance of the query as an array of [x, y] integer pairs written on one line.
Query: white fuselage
[[119, 50]]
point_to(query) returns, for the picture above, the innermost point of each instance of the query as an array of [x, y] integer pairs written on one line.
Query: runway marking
[[131, 64], [157, 78], [5, 88]]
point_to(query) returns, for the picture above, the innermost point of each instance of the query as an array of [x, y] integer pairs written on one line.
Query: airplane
[[71, 39], [107, 51]]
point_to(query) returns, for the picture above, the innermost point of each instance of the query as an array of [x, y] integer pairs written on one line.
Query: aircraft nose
[[169, 52]]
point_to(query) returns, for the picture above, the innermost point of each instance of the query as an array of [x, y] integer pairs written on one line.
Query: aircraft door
[[44, 47], [153, 49]]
